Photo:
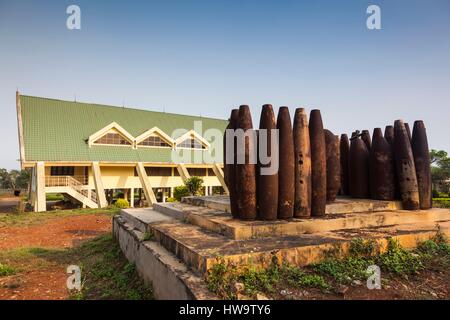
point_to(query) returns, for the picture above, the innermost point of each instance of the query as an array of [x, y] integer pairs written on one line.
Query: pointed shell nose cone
[[333, 165], [286, 179], [405, 167], [318, 164], [302, 160], [423, 165], [267, 185]]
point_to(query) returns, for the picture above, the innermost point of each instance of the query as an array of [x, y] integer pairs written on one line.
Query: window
[[197, 172], [158, 171], [154, 141], [191, 143], [113, 138], [62, 171]]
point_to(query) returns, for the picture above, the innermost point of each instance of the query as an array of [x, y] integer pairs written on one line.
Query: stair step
[[198, 248], [222, 223], [342, 205]]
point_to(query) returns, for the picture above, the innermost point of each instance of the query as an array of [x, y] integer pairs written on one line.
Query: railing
[[71, 182], [60, 181]]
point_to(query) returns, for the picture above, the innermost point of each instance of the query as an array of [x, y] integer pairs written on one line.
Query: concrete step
[[170, 278], [222, 223], [342, 205], [198, 248]]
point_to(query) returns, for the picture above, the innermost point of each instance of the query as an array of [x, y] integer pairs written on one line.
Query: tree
[[194, 185], [14, 179], [440, 168]]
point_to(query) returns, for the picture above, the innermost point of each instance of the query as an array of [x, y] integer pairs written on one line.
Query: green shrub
[[194, 185], [171, 200], [398, 260], [122, 203], [6, 270], [180, 192], [441, 202]]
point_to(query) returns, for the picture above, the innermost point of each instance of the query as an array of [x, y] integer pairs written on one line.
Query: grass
[[31, 218], [6, 270], [333, 272], [106, 273], [441, 202], [54, 197]]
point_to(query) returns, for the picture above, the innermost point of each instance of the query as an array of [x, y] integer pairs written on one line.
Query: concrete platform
[[342, 204], [222, 222], [187, 239]]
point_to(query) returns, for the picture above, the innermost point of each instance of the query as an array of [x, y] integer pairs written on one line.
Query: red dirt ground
[[63, 232]]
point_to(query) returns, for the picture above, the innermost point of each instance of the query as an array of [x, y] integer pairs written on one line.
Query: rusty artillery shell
[[381, 168], [302, 158], [422, 163], [358, 169], [286, 179], [267, 185], [365, 136], [408, 131], [389, 135], [245, 172], [230, 168], [344, 148], [405, 168], [318, 164], [333, 165]]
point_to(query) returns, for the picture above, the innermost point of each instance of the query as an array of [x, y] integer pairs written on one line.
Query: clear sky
[[205, 57]]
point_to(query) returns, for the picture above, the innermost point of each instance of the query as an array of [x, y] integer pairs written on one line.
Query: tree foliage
[[14, 179], [440, 169], [194, 185]]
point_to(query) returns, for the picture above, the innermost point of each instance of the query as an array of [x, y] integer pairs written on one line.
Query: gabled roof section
[[192, 134], [112, 126], [152, 131], [56, 130]]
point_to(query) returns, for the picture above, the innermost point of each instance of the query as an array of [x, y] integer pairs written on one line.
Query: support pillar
[[41, 204], [184, 173], [145, 182], [101, 197], [219, 174], [132, 198]]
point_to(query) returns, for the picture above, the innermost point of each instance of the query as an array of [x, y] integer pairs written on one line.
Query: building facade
[[86, 151]]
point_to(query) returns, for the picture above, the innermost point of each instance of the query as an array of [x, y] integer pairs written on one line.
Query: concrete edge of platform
[[170, 278]]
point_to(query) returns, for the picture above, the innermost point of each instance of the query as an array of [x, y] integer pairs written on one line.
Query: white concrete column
[[219, 174], [163, 195], [171, 191], [206, 191], [101, 197], [132, 198], [183, 171], [41, 204], [145, 182]]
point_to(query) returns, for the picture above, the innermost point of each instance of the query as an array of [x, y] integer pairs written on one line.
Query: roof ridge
[[118, 107]]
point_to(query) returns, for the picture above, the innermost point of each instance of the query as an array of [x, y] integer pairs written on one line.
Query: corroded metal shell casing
[[408, 131], [333, 165], [405, 168], [365, 136], [286, 178], [423, 165], [230, 168], [344, 148], [318, 164], [267, 185], [302, 159], [389, 135], [358, 169], [381, 168], [245, 172]]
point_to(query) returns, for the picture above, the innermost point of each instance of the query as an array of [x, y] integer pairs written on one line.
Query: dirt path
[[43, 278]]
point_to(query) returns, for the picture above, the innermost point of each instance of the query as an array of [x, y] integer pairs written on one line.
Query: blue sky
[[205, 57]]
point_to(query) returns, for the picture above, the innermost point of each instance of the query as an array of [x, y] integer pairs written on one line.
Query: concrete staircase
[[73, 188], [194, 233]]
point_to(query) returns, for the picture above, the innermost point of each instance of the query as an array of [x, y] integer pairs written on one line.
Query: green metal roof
[[56, 130]]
